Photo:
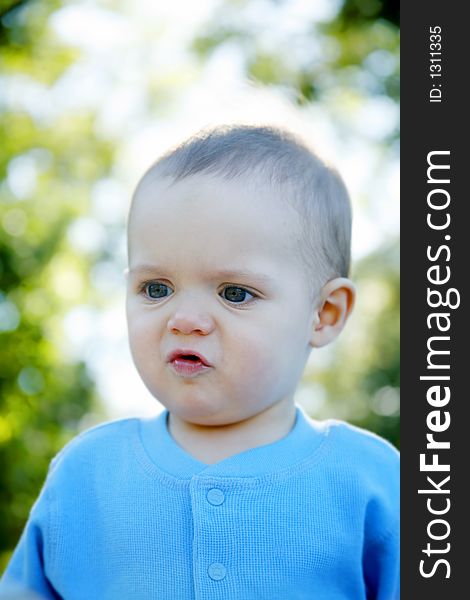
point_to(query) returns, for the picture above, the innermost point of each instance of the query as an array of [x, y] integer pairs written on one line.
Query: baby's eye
[[236, 294], [156, 290]]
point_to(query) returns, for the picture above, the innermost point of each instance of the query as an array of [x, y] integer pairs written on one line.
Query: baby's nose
[[189, 320]]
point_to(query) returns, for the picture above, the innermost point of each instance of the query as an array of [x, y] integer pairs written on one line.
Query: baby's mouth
[[187, 364], [187, 356]]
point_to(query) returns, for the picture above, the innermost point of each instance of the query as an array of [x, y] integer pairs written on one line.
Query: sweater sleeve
[[382, 567], [381, 553], [25, 575]]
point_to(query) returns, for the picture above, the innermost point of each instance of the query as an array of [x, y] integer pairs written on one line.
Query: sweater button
[[215, 496], [217, 571]]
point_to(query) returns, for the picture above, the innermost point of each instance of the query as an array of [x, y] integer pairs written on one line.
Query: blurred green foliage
[[49, 161], [47, 166], [353, 54]]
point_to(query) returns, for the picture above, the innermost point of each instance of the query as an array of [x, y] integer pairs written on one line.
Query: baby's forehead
[[231, 217], [245, 190]]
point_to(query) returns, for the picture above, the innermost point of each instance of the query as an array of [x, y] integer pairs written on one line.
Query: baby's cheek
[[140, 323], [259, 360], [142, 339]]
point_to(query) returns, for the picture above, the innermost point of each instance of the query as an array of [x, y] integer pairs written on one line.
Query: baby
[[239, 247]]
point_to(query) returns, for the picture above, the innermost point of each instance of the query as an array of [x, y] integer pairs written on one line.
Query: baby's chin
[[206, 416]]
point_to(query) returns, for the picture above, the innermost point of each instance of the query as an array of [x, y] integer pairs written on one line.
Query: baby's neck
[[211, 444]]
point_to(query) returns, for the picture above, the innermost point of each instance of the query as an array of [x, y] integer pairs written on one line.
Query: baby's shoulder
[[362, 444], [362, 457], [97, 449], [370, 477], [364, 470]]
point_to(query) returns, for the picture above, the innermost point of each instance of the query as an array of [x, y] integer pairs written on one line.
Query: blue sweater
[[126, 513]]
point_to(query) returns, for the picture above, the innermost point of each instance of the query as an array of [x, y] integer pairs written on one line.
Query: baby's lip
[[184, 352]]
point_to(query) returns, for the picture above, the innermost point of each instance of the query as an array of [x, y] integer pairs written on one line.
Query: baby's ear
[[334, 307]]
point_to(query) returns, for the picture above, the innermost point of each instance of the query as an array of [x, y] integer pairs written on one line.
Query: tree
[[48, 162]]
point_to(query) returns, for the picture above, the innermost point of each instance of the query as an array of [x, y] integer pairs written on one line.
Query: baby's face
[[219, 307]]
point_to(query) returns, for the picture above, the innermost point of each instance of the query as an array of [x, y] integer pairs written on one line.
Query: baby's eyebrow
[[144, 270], [227, 274], [242, 274]]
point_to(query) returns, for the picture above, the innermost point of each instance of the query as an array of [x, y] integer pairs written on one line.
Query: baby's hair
[[270, 155]]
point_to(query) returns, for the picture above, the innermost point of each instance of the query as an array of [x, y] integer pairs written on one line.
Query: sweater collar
[[302, 441]]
